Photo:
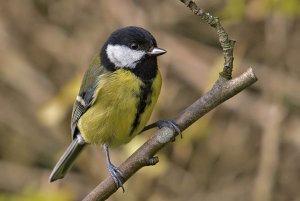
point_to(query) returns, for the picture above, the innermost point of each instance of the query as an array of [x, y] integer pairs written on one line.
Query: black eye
[[134, 46]]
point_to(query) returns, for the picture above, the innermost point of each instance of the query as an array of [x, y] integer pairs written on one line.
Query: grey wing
[[85, 97]]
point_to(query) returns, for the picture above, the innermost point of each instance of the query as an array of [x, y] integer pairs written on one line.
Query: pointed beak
[[156, 51]]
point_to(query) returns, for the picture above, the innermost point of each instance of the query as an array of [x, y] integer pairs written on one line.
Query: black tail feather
[[66, 160]]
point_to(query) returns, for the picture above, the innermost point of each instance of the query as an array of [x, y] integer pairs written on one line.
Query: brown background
[[247, 149]]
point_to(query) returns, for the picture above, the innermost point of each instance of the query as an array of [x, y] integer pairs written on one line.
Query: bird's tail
[[66, 160]]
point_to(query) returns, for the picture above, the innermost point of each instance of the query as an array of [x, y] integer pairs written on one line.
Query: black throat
[[147, 69]]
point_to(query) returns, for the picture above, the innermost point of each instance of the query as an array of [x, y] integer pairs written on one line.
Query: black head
[[133, 37], [131, 48]]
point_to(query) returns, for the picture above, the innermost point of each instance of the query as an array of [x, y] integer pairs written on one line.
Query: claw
[[114, 172], [116, 175], [170, 124], [164, 123]]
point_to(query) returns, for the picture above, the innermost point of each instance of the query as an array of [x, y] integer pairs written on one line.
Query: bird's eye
[[134, 46]]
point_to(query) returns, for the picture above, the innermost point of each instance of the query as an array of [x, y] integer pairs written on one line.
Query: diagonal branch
[[144, 156], [223, 89]]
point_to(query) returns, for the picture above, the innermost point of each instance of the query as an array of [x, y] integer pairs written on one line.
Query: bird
[[117, 95]]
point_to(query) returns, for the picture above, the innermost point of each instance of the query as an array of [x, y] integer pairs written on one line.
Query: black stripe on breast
[[145, 100]]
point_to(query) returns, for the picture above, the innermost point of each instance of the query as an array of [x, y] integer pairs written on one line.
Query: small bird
[[116, 97]]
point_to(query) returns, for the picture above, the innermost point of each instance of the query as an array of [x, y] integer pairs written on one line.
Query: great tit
[[116, 98]]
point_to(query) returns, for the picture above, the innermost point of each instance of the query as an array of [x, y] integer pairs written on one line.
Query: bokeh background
[[246, 149]]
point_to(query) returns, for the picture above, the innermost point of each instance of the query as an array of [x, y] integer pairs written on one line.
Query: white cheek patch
[[123, 56]]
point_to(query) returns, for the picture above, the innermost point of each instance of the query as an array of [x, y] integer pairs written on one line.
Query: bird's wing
[[85, 97]]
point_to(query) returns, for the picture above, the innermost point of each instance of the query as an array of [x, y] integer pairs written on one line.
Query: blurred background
[[246, 149]]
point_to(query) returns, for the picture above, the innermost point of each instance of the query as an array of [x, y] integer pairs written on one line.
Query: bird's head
[[127, 47]]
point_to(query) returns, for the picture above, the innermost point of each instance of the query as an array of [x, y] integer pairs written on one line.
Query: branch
[[226, 44], [223, 89]]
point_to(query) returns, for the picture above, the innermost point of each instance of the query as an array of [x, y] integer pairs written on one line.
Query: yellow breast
[[111, 117]]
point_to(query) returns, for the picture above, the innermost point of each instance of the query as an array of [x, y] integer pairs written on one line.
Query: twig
[[223, 89], [226, 43]]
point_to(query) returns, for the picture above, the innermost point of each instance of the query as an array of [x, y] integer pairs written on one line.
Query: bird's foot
[[116, 175], [164, 123], [169, 124], [114, 172]]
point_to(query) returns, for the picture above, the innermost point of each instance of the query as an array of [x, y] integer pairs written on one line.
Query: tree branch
[[226, 43], [223, 89]]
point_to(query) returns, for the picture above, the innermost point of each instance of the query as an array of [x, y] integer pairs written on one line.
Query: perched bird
[[116, 98]]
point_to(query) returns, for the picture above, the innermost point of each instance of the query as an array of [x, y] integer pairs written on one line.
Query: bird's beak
[[156, 51]]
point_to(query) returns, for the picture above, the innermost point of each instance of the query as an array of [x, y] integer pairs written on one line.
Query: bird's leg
[[114, 172], [164, 123]]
